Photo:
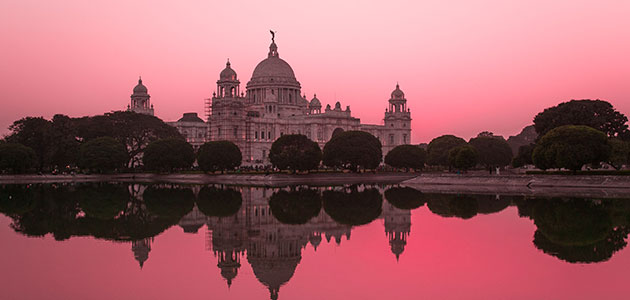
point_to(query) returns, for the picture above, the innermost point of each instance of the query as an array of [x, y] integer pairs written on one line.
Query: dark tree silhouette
[[406, 156], [405, 197], [353, 207], [353, 150], [439, 148], [571, 147], [295, 207], [295, 152], [219, 156], [219, 202]]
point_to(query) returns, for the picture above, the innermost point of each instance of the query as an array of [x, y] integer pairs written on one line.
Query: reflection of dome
[[273, 68], [228, 73], [397, 247], [397, 93], [140, 89], [141, 249], [191, 228], [274, 272], [315, 240]]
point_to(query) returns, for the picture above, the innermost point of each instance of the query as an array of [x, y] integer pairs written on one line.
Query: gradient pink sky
[[465, 66]]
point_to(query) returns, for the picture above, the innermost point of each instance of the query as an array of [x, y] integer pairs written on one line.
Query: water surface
[[164, 241]]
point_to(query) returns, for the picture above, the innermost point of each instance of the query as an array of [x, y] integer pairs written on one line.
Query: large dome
[[273, 67], [273, 70]]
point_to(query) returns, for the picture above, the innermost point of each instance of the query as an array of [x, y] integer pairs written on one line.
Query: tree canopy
[[439, 148], [405, 197], [353, 207], [219, 156], [353, 150], [463, 157], [104, 154], [597, 114], [406, 156], [493, 151], [295, 207], [619, 154], [219, 202], [16, 158], [295, 152], [168, 155], [571, 147]]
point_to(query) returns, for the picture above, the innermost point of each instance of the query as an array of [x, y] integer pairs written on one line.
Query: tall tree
[[597, 114], [33, 132], [439, 147], [493, 151], [463, 157], [406, 156], [571, 147], [16, 158], [352, 150], [219, 156], [168, 155], [104, 154], [295, 152]]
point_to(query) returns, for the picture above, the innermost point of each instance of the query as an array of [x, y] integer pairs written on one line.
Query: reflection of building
[[273, 249], [140, 102], [397, 224], [273, 105], [141, 249]]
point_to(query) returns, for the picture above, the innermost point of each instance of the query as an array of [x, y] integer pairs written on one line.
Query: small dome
[[140, 89], [228, 73], [315, 102], [397, 93], [190, 117]]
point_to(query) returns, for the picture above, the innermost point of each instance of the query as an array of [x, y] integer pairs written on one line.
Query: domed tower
[[140, 102], [227, 109], [141, 249], [274, 77], [315, 107], [228, 85], [397, 224], [397, 121]]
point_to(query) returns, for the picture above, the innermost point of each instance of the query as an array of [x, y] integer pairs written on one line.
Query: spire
[[227, 65], [273, 48], [139, 79]]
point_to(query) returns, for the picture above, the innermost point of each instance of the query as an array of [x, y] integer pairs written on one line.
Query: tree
[[570, 147], [439, 147], [460, 206], [104, 154], [351, 207], [34, 133], [133, 130], [170, 202], [597, 114], [16, 158], [619, 154], [352, 150], [493, 151], [63, 146], [524, 156], [168, 155], [295, 152], [405, 197], [406, 156], [219, 155], [295, 207], [219, 202], [463, 157]]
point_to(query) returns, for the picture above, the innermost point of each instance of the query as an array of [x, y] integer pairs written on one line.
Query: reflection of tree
[[103, 200], [489, 204], [216, 202], [578, 230], [16, 199], [599, 251], [405, 197], [460, 206], [295, 207], [353, 207], [169, 202]]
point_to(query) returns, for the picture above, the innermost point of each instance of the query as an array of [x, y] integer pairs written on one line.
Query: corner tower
[[397, 120], [140, 102]]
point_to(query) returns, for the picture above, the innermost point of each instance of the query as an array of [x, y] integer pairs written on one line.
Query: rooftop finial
[[273, 36], [228, 62], [139, 79]]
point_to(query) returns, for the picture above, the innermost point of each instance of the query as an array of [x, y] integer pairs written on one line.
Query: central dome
[[274, 67], [273, 70]]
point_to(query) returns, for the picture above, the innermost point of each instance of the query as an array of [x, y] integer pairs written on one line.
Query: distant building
[[272, 106], [140, 100], [193, 128]]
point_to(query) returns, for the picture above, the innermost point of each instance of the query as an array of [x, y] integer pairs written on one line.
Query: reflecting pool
[[165, 241]]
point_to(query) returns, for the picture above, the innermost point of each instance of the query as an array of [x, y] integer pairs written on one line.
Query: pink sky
[[465, 66]]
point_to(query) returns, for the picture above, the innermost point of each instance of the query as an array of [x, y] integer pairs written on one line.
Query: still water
[[164, 241]]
